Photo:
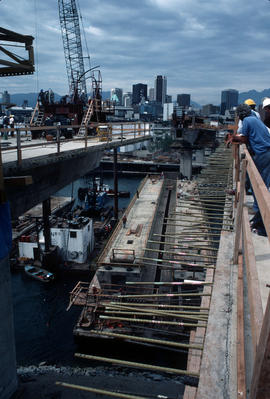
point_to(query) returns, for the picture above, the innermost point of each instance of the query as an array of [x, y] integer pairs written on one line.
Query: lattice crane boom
[[71, 35]]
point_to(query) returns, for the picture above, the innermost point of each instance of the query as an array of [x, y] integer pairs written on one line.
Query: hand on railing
[[228, 139]]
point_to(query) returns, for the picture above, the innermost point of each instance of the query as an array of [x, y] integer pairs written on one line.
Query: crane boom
[[70, 28]]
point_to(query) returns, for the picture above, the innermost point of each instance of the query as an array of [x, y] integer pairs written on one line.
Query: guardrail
[[120, 131], [259, 320]]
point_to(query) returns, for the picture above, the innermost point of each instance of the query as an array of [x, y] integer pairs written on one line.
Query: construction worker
[[251, 103], [11, 124], [257, 135], [266, 108]]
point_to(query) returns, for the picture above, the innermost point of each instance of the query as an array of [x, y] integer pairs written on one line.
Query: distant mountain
[[19, 98], [195, 105], [257, 96]]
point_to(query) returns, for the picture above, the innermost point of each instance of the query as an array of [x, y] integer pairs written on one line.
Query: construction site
[[182, 277]]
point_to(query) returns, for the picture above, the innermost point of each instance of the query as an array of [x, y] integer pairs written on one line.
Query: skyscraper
[[151, 94], [183, 100], [139, 91], [117, 96], [160, 88], [229, 99], [127, 99]]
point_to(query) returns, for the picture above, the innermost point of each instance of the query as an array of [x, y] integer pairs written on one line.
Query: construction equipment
[[104, 133], [75, 108], [14, 64], [71, 35]]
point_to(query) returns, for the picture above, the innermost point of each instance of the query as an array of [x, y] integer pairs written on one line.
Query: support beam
[[115, 179]]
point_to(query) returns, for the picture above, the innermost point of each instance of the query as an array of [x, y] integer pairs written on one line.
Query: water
[[125, 183], [43, 328]]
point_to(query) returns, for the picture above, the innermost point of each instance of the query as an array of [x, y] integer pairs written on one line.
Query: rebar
[[137, 365]]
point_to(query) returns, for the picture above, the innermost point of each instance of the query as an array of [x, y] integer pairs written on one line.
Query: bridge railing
[[244, 257], [52, 136]]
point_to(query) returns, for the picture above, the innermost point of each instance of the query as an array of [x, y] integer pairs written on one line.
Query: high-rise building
[[168, 99], [229, 99], [127, 99], [209, 109], [183, 100], [5, 98], [160, 88], [117, 96], [139, 92], [151, 94]]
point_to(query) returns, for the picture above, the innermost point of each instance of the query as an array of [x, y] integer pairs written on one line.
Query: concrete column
[[115, 186], [200, 158], [8, 374], [186, 163]]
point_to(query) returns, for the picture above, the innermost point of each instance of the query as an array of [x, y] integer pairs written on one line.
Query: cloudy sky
[[202, 46]]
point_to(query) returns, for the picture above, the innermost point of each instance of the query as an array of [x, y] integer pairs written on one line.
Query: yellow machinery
[[104, 133]]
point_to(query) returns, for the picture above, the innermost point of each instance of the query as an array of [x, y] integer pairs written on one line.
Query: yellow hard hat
[[249, 101]]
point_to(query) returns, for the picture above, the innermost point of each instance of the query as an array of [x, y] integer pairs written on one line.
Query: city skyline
[[201, 49]]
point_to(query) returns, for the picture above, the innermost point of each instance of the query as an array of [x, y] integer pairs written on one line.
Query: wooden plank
[[260, 384], [254, 296], [239, 214], [18, 181], [190, 392], [218, 370], [241, 369], [261, 192]]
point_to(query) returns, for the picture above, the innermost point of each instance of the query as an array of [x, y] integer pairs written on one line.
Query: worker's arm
[[238, 138], [235, 138]]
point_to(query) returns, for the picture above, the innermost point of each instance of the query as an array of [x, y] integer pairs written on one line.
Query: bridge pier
[[186, 163], [8, 374]]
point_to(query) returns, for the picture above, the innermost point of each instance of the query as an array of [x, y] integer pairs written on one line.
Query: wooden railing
[[259, 320]]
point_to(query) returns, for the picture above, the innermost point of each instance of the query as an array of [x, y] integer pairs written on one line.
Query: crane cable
[[36, 46], [84, 35]]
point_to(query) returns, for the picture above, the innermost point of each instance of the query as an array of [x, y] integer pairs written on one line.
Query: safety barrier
[[120, 132], [244, 257]]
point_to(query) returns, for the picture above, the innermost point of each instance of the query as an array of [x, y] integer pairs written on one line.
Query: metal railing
[[120, 132]]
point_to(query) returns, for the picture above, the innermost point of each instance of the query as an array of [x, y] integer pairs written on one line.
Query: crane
[[74, 109], [70, 28]]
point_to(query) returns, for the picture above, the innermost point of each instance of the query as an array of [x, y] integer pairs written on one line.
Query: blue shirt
[[257, 133]]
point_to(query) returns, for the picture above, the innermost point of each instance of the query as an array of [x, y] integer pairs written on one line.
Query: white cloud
[[93, 30], [202, 46]]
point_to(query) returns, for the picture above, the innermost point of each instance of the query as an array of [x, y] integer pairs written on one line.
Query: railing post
[[139, 129], [122, 132], [58, 134], [19, 149], [239, 214], [134, 130]]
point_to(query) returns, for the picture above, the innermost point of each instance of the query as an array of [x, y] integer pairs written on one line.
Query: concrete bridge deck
[[54, 165]]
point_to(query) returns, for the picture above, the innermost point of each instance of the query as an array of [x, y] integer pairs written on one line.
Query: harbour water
[[43, 328]]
